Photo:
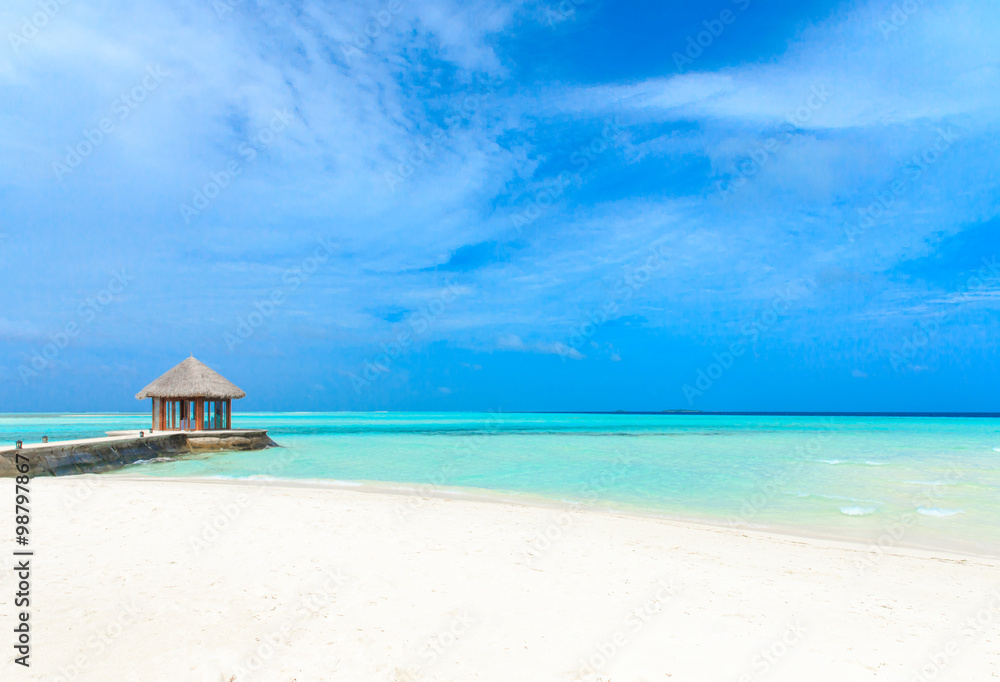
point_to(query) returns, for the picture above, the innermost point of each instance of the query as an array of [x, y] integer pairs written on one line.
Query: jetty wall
[[94, 455]]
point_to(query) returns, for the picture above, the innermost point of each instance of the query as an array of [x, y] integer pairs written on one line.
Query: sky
[[524, 206]]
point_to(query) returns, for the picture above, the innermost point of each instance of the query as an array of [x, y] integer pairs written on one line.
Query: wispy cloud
[[459, 102]]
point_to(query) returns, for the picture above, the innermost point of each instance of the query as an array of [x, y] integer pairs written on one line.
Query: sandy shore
[[202, 580]]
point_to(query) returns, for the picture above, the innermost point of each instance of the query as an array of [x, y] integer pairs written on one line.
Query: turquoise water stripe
[[932, 481]]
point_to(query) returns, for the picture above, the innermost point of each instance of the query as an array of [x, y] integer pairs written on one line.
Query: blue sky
[[513, 206]]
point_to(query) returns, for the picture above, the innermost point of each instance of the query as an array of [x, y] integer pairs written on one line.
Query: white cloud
[[357, 116], [18, 330], [558, 348], [941, 64], [510, 342]]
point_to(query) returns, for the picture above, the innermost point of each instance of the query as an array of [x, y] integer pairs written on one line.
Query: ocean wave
[[868, 462], [996, 449], [930, 482], [874, 464], [937, 511], [154, 460], [834, 497], [857, 511]]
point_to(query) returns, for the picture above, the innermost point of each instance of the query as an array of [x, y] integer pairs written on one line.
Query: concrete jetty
[[119, 448]]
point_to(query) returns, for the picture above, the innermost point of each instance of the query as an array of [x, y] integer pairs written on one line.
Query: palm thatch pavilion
[[191, 397]]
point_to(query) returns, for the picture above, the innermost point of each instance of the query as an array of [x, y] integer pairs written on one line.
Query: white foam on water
[[929, 482], [847, 499], [869, 462], [936, 511], [857, 511], [154, 460], [996, 449], [833, 497]]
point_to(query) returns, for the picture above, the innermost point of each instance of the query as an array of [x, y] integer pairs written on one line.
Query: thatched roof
[[192, 379]]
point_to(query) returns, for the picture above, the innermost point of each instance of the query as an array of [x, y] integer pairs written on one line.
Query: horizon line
[[674, 412]]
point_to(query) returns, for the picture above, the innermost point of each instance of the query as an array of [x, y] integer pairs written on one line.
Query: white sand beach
[[148, 580]]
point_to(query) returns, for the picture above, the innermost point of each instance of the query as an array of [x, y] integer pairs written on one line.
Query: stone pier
[[119, 448]]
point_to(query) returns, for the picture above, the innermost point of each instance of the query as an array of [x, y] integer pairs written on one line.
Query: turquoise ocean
[[884, 481]]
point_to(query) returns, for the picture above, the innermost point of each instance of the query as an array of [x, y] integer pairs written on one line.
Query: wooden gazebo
[[191, 397]]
